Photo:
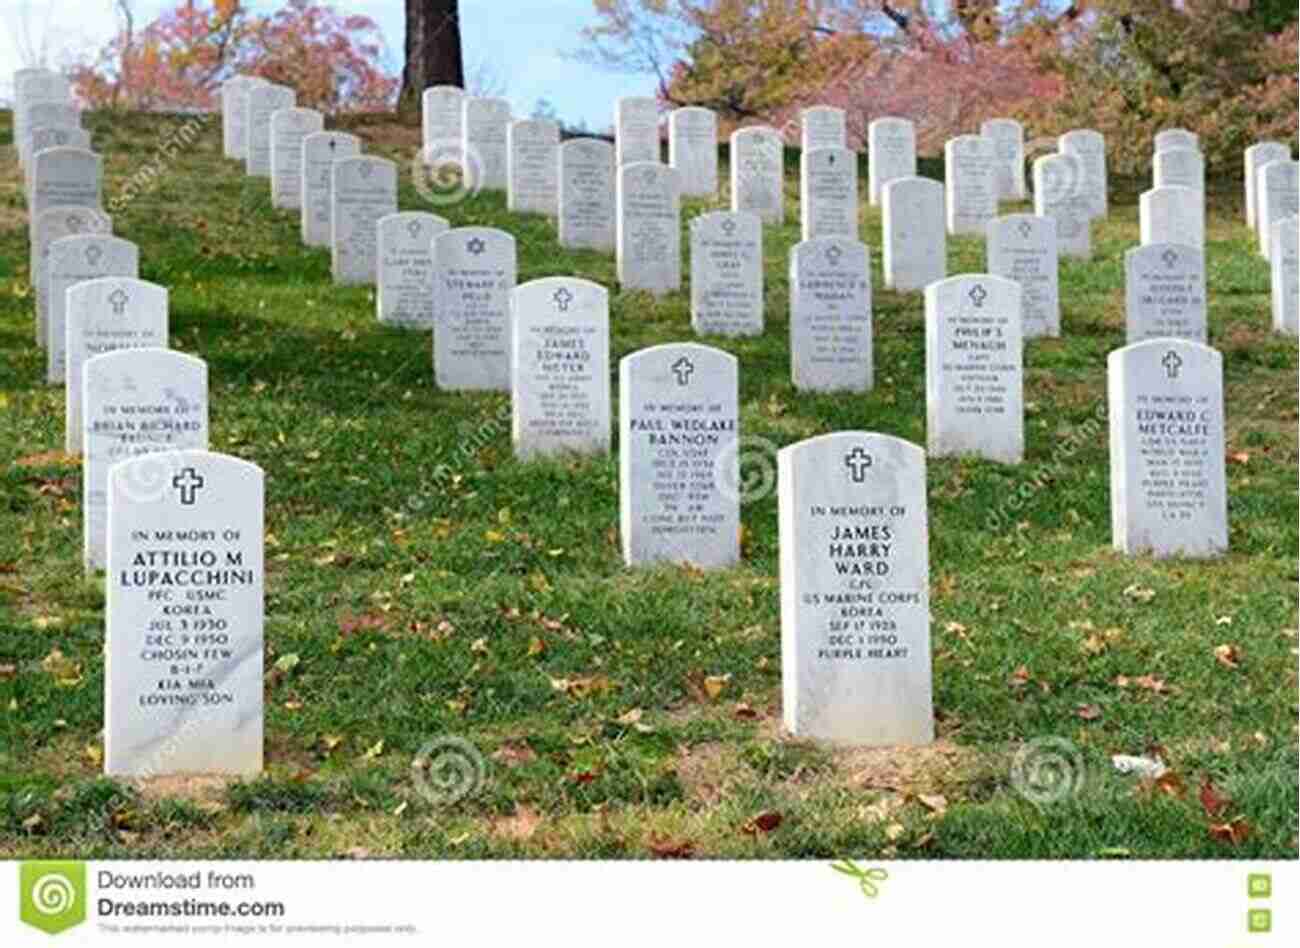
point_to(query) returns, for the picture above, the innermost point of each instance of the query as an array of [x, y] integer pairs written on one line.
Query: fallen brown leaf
[[1227, 655], [763, 823], [1088, 712], [665, 847], [1233, 832], [1213, 803], [514, 752], [522, 825]]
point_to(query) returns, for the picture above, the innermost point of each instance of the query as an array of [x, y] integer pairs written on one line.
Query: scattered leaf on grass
[[1139, 593], [936, 803], [763, 823], [65, 672], [535, 647], [665, 847], [8, 671], [520, 826], [1213, 803], [1233, 832], [1227, 655], [514, 752], [1088, 712], [744, 712], [631, 717]]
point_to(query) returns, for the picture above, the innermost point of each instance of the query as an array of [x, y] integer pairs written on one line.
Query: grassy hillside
[[635, 713]]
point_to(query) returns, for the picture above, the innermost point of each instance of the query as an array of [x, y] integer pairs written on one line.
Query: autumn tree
[[433, 48]]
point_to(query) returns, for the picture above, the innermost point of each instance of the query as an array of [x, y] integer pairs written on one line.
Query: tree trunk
[[433, 56]]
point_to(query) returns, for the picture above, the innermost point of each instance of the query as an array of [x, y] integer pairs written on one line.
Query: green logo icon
[[1260, 885], [867, 878], [52, 895], [1259, 921]]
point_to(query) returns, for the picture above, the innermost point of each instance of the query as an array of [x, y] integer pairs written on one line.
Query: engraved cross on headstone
[[684, 369], [858, 461], [1172, 363], [189, 483], [119, 299]]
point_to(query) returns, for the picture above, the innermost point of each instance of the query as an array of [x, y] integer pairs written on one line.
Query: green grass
[[431, 586]]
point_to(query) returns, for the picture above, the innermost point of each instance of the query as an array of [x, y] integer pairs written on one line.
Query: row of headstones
[[185, 549]]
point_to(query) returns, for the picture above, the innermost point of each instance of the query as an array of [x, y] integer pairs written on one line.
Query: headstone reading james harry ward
[[1165, 292], [727, 274], [693, 150], [474, 274], [441, 122], [828, 193], [891, 151], [72, 260], [183, 674], [533, 167], [824, 126], [649, 228], [636, 130], [678, 456], [974, 369], [1008, 138], [288, 129], [1257, 156], [830, 315], [484, 125], [855, 590], [263, 100], [587, 195], [105, 315], [319, 152], [758, 173], [1168, 494], [135, 401], [406, 289], [971, 168], [362, 191], [560, 398], [1060, 192], [915, 252], [1022, 248], [1286, 276], [1172, 215], [1089, 147], [47, 227]]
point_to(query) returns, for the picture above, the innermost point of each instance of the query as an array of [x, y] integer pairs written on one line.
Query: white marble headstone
[[1061, 193], [485, 127], [974, 368], [693, 150], [52, 136], [534, 165], [47, 227], [828, 192], [234, 115], [649, 228], [971, 181], [363, 190], [758, 173], [406, 286], [636, 130], [1167, 467], [1089, 147], [134, 402], [830, 316], [1008, 137], [72, 260], [104, 315], [442, 122], [915, 236], [319, 152], [824, 126], [1176, 138], [1278, 197], [560, 400], [855, 590], [679, 465], [65, 177], [183, 677], [475, 270], [1286, 276], [1179, 167], [727, 274], [891, 154], [1257, 156], [1022, 248], [288, 129], [64, 115], [587, 195], [263, 101], [1165, 292], [1172, 215]]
